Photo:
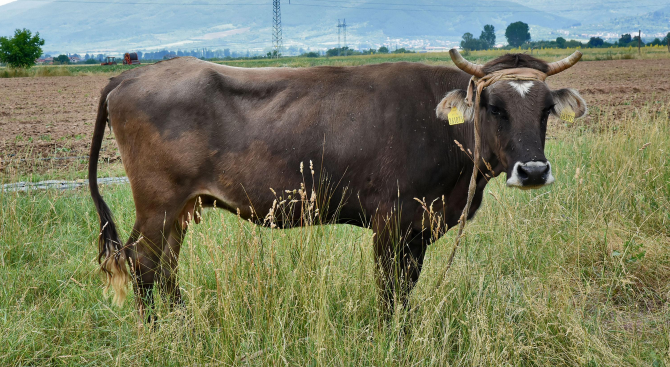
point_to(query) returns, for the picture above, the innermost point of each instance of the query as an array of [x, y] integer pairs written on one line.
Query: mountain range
[[115, 26]]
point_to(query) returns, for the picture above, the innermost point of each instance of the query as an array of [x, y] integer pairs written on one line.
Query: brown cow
[[189, 129]]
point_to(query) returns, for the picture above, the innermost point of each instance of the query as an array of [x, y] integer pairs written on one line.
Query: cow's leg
[[169, 263], [399, 259], [146, 247], [411, 258]]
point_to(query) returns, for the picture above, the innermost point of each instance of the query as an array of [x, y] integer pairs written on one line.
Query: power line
[[276, 27], [344, 28], [141, 3], [339, 46], [468, 11], [599, 3], [473, 8]]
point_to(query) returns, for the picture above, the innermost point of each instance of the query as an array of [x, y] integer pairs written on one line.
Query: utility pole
[[276, 27], [639, 41], [344, 28], [339, 27]]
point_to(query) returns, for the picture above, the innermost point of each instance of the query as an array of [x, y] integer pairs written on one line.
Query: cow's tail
[[111, 255]]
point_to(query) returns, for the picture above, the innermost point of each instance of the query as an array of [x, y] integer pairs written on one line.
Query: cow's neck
[[460, 163]]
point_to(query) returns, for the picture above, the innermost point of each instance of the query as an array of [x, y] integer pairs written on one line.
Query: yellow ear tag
[[568, 115], [455, 117]]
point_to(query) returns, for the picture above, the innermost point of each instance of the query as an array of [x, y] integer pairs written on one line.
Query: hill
[[97, 26], [91, 26]]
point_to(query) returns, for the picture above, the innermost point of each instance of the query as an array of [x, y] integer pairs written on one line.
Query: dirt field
[[48, 117], [53, 116], [619, 85]]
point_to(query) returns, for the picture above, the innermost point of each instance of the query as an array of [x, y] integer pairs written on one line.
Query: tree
[[625, 39], [471, 43], [517, 34], [560, 41], [489, 36], [22, 50], [666, 40], [636, 39], [342, 51], [383, 50], [596, 42], [61, 59]]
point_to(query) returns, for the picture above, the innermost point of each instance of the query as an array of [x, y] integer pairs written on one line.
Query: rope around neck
[[479, 84]]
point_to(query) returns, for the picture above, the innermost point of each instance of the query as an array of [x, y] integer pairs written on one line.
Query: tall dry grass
[[574, 274]]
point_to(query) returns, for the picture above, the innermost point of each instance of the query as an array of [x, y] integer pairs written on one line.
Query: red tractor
[[130, 59]]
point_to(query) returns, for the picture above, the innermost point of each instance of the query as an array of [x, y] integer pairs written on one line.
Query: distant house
[[45, 61], [74, 59]]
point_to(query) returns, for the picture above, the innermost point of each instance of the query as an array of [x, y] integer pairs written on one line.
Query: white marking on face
[[522, 87], [515, 180]]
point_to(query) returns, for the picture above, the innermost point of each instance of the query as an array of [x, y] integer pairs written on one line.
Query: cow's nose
[[531, 174]]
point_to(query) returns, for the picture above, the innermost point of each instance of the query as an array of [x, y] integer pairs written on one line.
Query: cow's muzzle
[[530, 175]]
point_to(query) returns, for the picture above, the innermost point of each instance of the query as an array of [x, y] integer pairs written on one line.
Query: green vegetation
[[22, 50], [61, 60], [625, 41], [517, 34], [545, 50], [488, 35], [64, 70], [346, 51], [486, 40], [574, 274]]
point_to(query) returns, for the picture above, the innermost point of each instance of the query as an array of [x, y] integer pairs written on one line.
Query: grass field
[[434, 58], [442, 58], [64, 70], [574, 274]]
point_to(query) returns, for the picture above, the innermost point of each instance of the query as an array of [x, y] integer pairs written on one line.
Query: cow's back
[[234, 133]]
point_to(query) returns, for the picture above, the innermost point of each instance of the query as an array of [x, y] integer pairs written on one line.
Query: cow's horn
[[560, 65], [465, 65]]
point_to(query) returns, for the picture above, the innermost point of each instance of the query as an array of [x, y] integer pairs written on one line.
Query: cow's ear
[[455, 98], [568, 99]]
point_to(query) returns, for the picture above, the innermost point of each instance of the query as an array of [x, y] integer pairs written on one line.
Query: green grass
[[442, 58], [437, 58], [575, 274], [64, 70]]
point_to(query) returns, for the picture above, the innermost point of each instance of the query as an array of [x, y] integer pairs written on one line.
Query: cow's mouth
[[530, 175]]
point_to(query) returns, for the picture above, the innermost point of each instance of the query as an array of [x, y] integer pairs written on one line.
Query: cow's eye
[[497, 111]]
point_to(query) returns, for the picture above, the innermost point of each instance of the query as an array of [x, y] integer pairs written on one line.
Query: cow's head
[[513, 113]]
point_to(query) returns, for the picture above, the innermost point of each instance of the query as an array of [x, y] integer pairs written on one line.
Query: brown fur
[[510, 61]]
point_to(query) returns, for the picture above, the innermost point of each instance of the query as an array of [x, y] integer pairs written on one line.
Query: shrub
[[22, 50]]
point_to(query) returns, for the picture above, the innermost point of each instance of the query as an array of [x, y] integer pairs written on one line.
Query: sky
[[3, 2]]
